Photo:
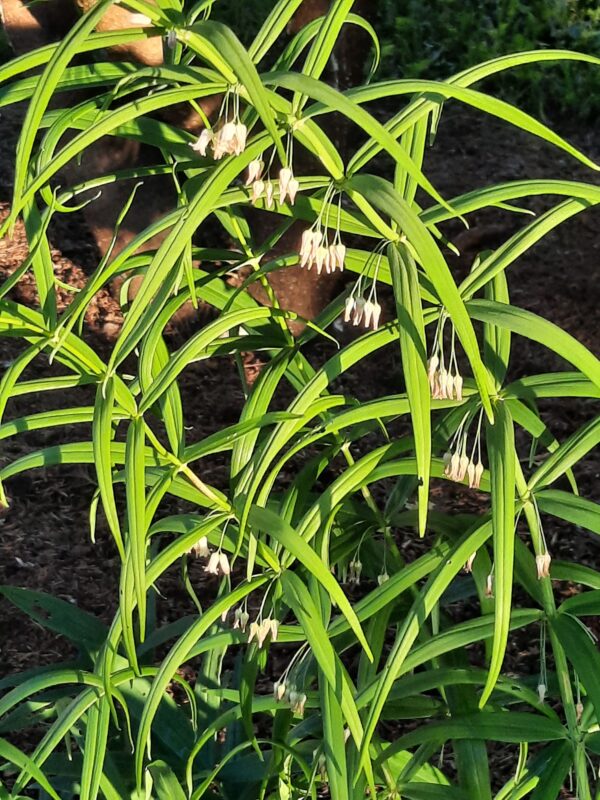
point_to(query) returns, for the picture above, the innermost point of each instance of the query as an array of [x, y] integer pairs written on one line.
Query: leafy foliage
[[281, 545], [436, 37]]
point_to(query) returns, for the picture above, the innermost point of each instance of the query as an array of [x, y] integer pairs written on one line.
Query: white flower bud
[[224, 563], [285, 176], [255, 169], [258, 188], [542, 563], [213, 564], [348, 309], [203, 141], [293, 188]]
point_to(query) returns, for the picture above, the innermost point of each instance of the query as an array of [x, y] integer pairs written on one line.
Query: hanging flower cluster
[[287, 688], [261, 184], [317, 248], [229, 135], [459, 465], [362, 308], [260, 630], [218, 562], [445, 380]]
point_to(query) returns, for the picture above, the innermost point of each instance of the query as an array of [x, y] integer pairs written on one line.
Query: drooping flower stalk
[[287, 183], [317, 249], [361, 309], [459, 465], [445, 380], [229, 135]]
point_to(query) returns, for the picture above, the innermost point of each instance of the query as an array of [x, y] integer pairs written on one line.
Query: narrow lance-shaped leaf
[[102, 437], [414, 363], [502, 455], [43, 93], [136, 513]]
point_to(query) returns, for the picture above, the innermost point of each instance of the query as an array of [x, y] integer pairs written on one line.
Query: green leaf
[[530, 325], [501, 454], [102, 436], [299, 599], [382, 194], [570, 507], [166, 785], [414, 362], [266, 520], [136, 513], [54, 614], [15, 756], [582, 652]]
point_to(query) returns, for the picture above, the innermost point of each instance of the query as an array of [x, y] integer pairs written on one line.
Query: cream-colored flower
[[285, 176], [241, 619], [254, 631], [359, 307], [203, 141], [469, 564], [270, 195], [201, 548], [298, 701], [293, 189], [224, 563], [240, 138], [376, 316], [213, 564], [322, 259], [348, 309], [541, 690], [542, 563], [258, 188], [255, 169], [279, 689]]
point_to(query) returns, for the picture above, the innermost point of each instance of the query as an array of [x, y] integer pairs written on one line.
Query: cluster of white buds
[[286, 688], [445, 380], [229, 139], [355, 571], [358, 310], [201, 548], [229, 136], [218, 564], [288, 185], [261, 630], [315, 251], [459, 465], [241, 618], [362, 308], [289, 694]]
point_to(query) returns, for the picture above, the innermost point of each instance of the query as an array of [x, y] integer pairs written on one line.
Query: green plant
[[436, 37], [284, 537]]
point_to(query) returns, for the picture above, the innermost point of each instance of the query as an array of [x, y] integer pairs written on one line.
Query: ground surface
[[44, 539]]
